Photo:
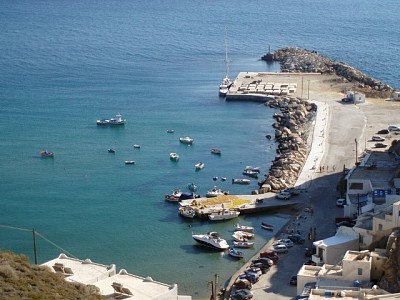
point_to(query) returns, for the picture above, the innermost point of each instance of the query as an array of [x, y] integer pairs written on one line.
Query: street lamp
[[355, 140]]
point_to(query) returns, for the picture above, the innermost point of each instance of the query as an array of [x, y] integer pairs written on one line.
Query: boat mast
[[226, 55]]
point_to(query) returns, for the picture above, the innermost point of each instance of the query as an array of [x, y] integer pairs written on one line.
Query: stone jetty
[[298, 60], [292, 128]]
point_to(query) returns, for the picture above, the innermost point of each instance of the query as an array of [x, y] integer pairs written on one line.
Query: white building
[[112, 285], [356, 97], [396, 96]]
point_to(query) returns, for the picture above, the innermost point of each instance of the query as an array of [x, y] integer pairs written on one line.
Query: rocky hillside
[[301, 60], [21, 280]]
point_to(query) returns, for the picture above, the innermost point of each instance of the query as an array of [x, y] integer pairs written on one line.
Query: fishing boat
[[254, 169], [239, 227], [235, 253], [241, 181], [46, 153], [250, 173], [226, 83], [187, 212], [243, 244], [186, 140], [174, 156], [215, 192], [118, 120], [267, 226], [129, 162]]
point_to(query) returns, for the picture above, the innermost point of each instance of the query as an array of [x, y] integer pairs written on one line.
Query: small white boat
[[211, 239], [243, 244], [241, 181], [224, 214], [250, 173], [170, 131], [241, 236], [136, 146], [199, 166], [186, 140], [215, 192], [129, 162], [239, 227], [267, 226], [235, 253], [254, 169], [174, 156], [187, 212]]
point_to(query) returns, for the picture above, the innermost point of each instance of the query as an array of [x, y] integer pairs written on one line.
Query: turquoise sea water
[[66, 64]]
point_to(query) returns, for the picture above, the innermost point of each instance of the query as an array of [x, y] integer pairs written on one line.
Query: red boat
[[216, 151], [267, 226], [46, 153]]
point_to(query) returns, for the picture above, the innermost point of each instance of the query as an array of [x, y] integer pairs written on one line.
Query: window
[[356, 186], [361, 239], [359, 271], [380, 227]]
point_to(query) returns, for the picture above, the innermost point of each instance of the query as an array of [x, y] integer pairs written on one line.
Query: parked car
[[271, 254], [296, 238], [377, 138], [283, 195], [293, 191], [340, 202], [243, 294], [308, 252], [281, 249], [380, 145], [287, 242], [394, 128], [263, 260], [383, 131], [293, 280]]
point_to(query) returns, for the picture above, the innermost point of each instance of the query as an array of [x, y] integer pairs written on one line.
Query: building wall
[[335, 253], [357, 269]]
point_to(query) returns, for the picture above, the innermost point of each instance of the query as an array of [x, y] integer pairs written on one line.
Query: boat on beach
[[118, 120], [240, 181], [211, 239], [46, 153], [267, 226], [235, 253], [239, 227], [223, 214]]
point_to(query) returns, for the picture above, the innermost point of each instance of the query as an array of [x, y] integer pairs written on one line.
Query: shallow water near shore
[[65, 65]]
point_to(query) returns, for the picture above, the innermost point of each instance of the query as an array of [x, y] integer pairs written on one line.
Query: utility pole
[[355, 140], [34, 245], [308, 89]]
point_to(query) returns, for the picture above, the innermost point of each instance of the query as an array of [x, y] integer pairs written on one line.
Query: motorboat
[[216, 151], [211, 239], [174, 156], [192, 187], [136, 146], [170, 131], [223, 178], [199, 165], [186, 140], [111, 150], [242, 235], [215, 192], [187, 212], [254, 169], [224, 214], [46, 153], [250, 173], [243, 244], [129, 162], [241, 181], [267, 226], [118, 120], [239, 227], [235, 253]]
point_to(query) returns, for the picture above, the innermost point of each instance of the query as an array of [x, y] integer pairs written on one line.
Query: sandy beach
[[341, 133]]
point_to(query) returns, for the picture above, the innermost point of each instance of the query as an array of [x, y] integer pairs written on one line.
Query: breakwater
[[298, 60]]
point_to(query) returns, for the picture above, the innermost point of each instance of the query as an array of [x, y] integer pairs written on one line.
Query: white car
[[283, 195], [280, 249], [377, 138], [288, 243], [340, 202]]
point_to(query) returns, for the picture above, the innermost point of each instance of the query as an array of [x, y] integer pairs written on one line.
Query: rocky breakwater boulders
[[292, 128], [298, 60]]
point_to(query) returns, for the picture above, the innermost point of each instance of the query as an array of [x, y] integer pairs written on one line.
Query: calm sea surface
[[64, 64]]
